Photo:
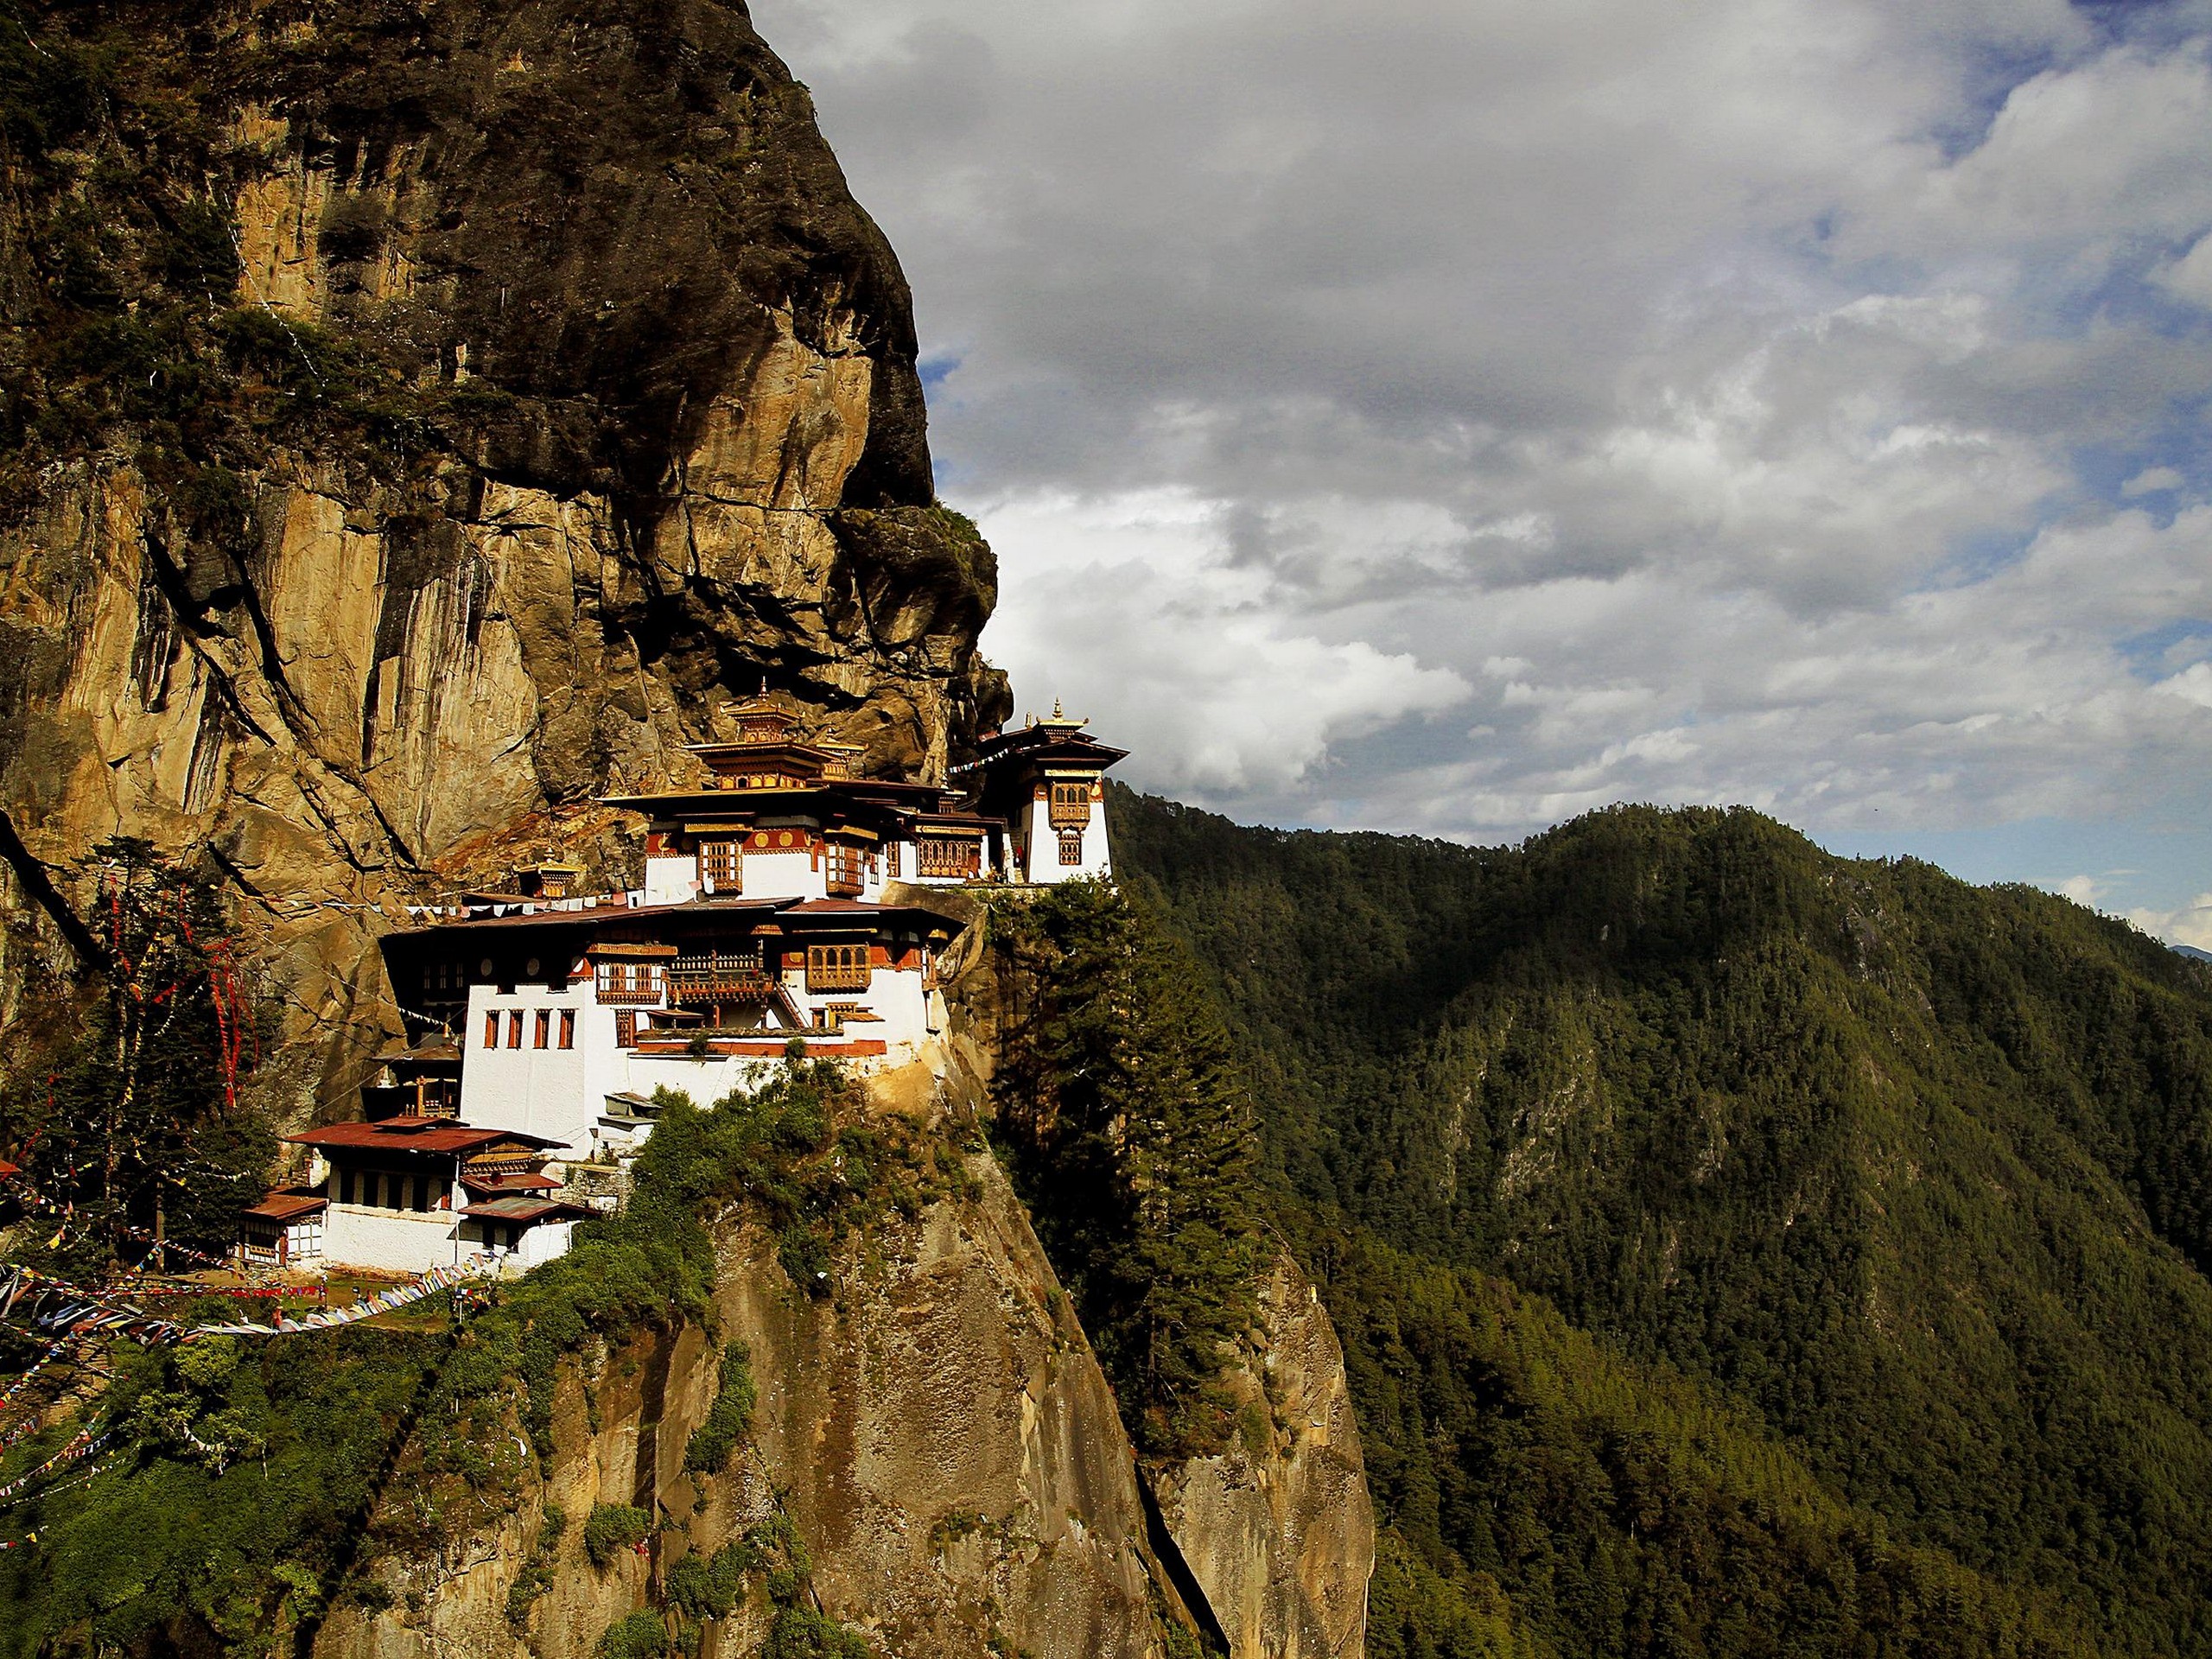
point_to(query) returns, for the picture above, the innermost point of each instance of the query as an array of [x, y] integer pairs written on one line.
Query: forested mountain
[[1738, 1249]]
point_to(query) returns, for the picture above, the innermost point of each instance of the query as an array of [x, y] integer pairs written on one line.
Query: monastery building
[[786, 901]]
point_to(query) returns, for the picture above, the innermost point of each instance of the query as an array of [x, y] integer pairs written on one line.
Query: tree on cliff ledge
[[135, 1121], [1133, 1139]]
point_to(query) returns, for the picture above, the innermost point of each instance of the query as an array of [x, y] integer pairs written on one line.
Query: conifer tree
[[1135, 1137]]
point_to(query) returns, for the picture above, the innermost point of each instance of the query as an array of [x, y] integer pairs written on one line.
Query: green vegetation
[[715, 1440], [642, 1634], [134, 1118], [1736, 1249], [257, 1481], [613, 1528], [536, 1575], [261, 1519], [1132, 1141]]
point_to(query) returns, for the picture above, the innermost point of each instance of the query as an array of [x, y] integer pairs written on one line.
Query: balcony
[[718, 978]]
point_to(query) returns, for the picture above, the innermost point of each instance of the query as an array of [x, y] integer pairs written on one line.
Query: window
[[955, 859], [844, 867], [719, 869], [625, 1029], [836, 968], [491, 1028], [1070, 847], [437, 1193], [543, 1038], [894, 859], [628, 982], [1071, 806], [567, 1027], [514, 1028]]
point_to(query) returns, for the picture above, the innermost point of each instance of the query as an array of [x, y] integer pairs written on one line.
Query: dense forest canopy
[[1896, 1189]]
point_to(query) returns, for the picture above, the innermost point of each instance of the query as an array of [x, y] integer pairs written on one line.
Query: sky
[[1449, 418]]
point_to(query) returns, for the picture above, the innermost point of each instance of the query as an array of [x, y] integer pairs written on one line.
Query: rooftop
[[419, 1134], [289, 1206]]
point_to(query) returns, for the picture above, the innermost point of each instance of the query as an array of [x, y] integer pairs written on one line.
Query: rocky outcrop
[[937, 1430], [1277, 1531], [521, 383]]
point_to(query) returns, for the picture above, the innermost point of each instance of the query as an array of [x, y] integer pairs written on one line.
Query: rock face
[[938, 1431], [521, 385], [1281, 1539]]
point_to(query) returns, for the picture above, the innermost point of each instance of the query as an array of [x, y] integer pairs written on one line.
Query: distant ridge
[[2192, 952]]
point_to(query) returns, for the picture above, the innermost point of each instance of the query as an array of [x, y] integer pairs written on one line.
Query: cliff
[[933, 1428], [423, 417], [1277, 1530], [936, 1431]]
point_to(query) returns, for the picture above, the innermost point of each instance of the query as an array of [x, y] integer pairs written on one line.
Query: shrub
[[708, 1450], [613, 1528], [641, 1635]]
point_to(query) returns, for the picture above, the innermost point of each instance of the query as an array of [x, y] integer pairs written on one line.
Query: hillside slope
[[1913, 1174]]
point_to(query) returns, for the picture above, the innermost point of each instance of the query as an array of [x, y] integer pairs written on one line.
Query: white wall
[[1044, 845], [671, 880], [392, 1241], [555, 1092]]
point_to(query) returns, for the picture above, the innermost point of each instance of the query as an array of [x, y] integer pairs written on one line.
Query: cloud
[[1133, 608], [2153, 480], [2190, 276], [1454, 417], [2189, 924]]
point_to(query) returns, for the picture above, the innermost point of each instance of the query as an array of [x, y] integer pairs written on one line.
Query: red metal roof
[[520, 1208], [289, 1206], [413, 1134], [514, 1181]]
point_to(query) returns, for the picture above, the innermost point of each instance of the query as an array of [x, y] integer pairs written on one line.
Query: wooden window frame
[[514, 1027], [626, 1027], [838, 967], [722, 862], [490, 1027], [1070, 847], [1069, 806], [567, 1027], [844, 869], [947, 856], [541, 1035]]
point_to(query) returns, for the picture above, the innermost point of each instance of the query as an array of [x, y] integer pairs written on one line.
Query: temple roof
[[520, 1208], [289, 1206], [420, 1134], [1055, 739]]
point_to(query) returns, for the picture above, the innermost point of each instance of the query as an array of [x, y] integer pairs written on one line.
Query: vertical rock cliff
[[935, 1429], [423, 417], [1278, 1533], [930, 1423]]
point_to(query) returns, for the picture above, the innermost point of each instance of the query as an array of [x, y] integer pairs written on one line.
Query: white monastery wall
[[392, 1241]]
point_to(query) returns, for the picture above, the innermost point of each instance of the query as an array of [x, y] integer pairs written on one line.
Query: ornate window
[[948, 858], [894, 861], [720, 870], [844, 864], [625, 1029], [1070, 847], [628, 982], [836, 968], [1071, 806]]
